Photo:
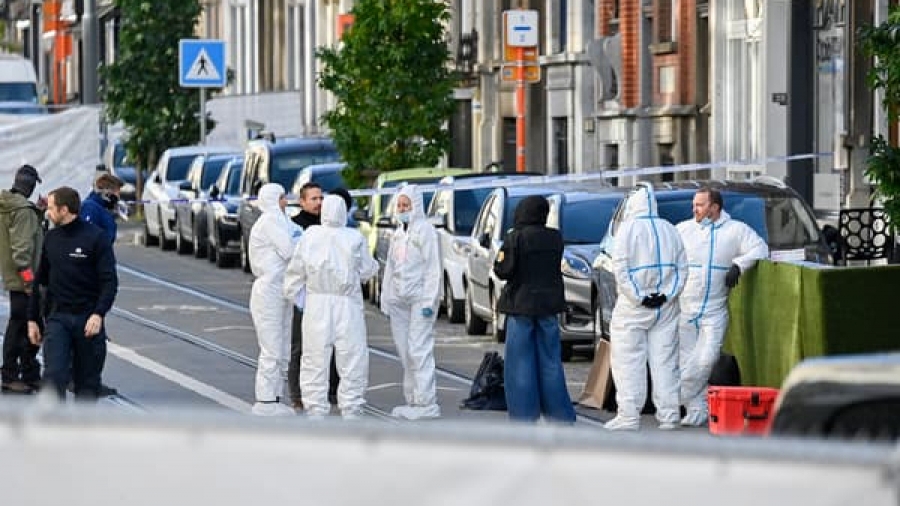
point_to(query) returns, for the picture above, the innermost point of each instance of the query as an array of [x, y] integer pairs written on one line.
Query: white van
[[18, 86]]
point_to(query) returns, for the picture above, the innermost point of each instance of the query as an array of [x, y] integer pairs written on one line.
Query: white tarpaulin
[[63, 147]]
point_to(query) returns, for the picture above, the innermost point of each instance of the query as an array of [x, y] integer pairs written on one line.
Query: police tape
[[506, 179]]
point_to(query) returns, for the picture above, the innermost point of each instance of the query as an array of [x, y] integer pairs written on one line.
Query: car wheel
[[197, 241], [149, 240], [474, 324], [455, 310], [497, 333], [182, 245], [245, 257], [223, 261], [566, 352], [164, 244]]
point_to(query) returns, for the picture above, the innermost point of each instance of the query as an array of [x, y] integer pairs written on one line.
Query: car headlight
[[461, 247], [127, 188], [575, 267]]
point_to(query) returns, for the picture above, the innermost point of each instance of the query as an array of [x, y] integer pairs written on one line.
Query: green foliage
[[392, 86], [141, 87], [882, 43]]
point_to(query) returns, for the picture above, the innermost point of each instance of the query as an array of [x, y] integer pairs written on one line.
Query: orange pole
[[520, 109]]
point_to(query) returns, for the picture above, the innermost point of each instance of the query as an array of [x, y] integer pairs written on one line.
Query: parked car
[[455, 209], [776, 212], [162, 186], [368, 218], [190, 223], [116, 161], [275, 162], [223, 240], [482, 287], [582, 217]]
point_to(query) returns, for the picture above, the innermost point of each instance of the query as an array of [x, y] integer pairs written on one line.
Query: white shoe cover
[[272, 409], [399, 411], [623, 423], [694, 418], [420, 412], [668, 426]]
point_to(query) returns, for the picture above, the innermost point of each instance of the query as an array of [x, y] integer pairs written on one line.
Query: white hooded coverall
[[711, 251], [412, 282], [270, 247], [648, 257], [332, 261]]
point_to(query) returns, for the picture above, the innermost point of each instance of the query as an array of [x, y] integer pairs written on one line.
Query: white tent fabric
[[64, 147]]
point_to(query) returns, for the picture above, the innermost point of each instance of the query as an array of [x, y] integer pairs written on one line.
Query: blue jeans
[[533, 374], [70, 355]]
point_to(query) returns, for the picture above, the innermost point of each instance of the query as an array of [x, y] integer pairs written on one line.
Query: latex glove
[[27, 275], [731, 278], [427, 312]]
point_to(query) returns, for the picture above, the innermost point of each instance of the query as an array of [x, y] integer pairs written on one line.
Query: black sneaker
[[107, 391]]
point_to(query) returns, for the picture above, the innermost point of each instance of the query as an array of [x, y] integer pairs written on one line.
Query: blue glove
[[427, 312]]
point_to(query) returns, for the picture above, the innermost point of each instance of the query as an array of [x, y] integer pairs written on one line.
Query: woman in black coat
[[529, 261]]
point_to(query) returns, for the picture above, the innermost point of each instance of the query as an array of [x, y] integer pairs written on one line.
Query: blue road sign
[[201, 63]]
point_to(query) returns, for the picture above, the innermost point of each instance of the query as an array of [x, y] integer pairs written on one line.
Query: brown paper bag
[[599, 380]]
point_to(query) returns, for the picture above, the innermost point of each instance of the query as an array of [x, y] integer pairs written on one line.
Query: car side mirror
[[214, 192], [485, 240], [361, 215], [185, 186], [385, 222]]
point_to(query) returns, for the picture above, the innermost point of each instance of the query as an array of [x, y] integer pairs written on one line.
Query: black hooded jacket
[[529, 261], [306, 220]]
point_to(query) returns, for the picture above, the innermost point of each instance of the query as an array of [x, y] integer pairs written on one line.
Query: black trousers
[[19, 355], [69, 355], [294, 364]]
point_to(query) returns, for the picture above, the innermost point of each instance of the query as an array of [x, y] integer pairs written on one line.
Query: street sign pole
[[520, 110], [203, 116]]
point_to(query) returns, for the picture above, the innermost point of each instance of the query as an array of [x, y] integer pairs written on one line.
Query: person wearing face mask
[[332, 261], [409, 297], [271, 246], [719, 250], [21, 237], [101, 204]]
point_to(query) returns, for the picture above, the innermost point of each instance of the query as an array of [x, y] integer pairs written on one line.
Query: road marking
[[183, 380]]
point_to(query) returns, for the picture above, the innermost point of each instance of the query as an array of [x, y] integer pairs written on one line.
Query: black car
[[275, 162], [775, 211], [190, 222], [223, 242]]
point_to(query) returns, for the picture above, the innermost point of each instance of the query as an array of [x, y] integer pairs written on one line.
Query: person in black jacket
[[310, 214], [78, 268], [529, 261]]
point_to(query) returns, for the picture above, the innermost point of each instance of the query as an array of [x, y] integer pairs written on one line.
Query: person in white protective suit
[[332, 261], [719, 249], [409, 297], [650, 268], [270, 247]]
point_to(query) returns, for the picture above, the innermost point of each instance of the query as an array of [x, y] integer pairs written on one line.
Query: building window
[[562, 9], [665, 20], [612, 161], [613, 6], [666, 80], [561, 145]]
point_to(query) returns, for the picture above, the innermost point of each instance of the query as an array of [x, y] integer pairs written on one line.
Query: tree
[[141, 87], [882, 43], [392, 86]]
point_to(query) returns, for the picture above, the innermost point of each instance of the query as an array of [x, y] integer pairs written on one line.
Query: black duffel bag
[[487, 392]]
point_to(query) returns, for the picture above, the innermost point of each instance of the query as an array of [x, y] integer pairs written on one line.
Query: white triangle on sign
[[202, 68]]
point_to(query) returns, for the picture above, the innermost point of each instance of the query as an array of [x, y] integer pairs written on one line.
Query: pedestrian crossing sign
[[201, 63]]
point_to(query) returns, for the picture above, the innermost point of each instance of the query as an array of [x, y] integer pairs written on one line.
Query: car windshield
[[781, 220], [211, 172], [585, 222], [18, 92], [329, 180], [178, 167], [286, 166], [466, 204], [233, 186]]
